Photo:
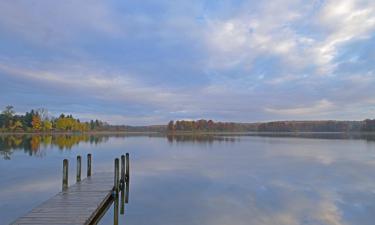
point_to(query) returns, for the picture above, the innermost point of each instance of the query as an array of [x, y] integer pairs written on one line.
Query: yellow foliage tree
[[47, 125], [36, 122]]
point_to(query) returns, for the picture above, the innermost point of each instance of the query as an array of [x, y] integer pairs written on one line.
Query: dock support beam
[[122, 172], [127, 168], [127, 192], [65, 174], [122, 197], [79, 168], [115, 209], [117, 178], [88, 165]]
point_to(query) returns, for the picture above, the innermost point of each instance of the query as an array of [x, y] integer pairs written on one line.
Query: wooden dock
[[83, 203]]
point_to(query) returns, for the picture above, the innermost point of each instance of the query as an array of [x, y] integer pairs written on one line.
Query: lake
[[211, 179]]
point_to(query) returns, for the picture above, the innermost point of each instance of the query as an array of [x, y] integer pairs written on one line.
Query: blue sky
[[146, 62]]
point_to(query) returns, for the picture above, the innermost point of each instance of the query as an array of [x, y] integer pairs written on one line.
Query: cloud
[[302, 35], [343, 22], [110, 87], [265, 30], [321, 107], [241, 61]]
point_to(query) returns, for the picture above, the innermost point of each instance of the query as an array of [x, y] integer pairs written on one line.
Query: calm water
[[269, 179]]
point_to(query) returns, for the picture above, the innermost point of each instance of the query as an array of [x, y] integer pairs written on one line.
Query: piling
[[115, 211], [127, 167], [86, 201], [127, 192], [78, 168], [122, 172], [116, 178], [65, 174], [122, 197], [88, 165]]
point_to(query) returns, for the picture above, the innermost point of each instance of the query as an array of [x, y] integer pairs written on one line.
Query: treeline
[[206, 126], [278, 126], [368, 126], [310, 126], [40, 121], [127, 128]]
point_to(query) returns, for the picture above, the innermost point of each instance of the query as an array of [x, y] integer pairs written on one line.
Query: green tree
[[17, 126], [8, 111], [171, 125], [6, 120]]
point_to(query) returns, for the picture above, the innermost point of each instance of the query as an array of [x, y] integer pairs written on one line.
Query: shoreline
[[183, 132], [78, 133]]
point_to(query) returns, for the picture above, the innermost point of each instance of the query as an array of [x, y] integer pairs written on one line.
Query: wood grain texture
[[77, 205]]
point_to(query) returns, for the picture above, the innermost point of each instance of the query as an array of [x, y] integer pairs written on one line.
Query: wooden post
[[122, 172], [127, 192], [88, 165], [127, 167], [78, 168], [116, 180], [115, 209], [65, 174], [122, 206]]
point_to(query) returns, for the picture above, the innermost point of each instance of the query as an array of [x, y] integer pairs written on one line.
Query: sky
[[148, 62]]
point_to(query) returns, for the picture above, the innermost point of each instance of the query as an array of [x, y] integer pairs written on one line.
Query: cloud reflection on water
[[258, 181], [251, 180]]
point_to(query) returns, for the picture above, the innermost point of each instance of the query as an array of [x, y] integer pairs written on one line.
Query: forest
[[40, 121], [367, 125]]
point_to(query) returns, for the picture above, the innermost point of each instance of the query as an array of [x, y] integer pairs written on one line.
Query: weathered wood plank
[[76, 205]]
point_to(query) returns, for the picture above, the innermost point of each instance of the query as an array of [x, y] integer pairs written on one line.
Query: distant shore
[[76, 133], [177, 133]]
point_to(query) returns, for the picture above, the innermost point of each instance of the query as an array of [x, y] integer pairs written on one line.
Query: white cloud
[[275, 29], [156, 103], [246, 35], [255, 56], [342, 21], [321, 107], [109, 86]]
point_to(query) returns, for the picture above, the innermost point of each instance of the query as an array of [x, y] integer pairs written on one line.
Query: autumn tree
[[40, 120], [17, 126], [47, 125], [37, 123]]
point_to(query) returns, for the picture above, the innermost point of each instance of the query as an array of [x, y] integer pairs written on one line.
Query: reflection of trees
[[200, 138], [210, 138], [8, 144], [319, 135], [32, 144]]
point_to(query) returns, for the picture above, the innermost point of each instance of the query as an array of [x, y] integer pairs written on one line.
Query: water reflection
[[124, 197], [116, 200], [201, 138], [319, 135], [32, 144], [236, 137], [256, 180]]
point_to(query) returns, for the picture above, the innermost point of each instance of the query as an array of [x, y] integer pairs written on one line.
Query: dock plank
[[77, 205]]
